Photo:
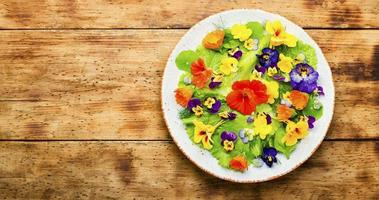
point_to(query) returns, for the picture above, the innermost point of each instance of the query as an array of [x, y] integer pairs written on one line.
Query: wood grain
[[42, 14], [97, 84], [157, 170]]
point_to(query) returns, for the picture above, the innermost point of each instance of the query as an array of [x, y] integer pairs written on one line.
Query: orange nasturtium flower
[[238, 163], [214, 39], [246, 95], [299, 99], [283, 112], [200, 74], [183, 95]]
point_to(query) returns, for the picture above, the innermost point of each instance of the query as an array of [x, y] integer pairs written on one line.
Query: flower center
[[277, 32], [265, 56], [303, 71], [269, 158]]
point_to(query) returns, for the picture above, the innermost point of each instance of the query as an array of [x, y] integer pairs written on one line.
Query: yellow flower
[[271, 71], [198, 110], [256, 75], [228, 65], [285, 63], [295, 131], [224, 114], [209, 102], [261, 127], [251, 44], [300, 58], [228, 145], [203, 133], [286, 96], [278, 34], [241, 32], [272, 90]]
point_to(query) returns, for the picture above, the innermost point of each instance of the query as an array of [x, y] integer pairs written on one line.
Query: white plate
[[202, 158]]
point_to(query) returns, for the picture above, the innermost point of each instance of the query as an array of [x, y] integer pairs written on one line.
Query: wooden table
[[80, 114]]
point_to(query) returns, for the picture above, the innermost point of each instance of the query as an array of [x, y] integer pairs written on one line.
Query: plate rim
[[215, 174]]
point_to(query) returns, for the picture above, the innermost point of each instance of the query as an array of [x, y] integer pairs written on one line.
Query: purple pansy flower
[[268, 58], [232, 116], [250, 119], [193, 103], [304, 78], [269, 155], [311, 120], [268, 119], [215, 107], [237, 54], [260, 69], [214, 83], [320, 91], [228, 135], [279, 78]]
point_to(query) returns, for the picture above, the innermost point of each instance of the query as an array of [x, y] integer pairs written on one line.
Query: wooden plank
[[96, 84], [178, 14], [157, 170]]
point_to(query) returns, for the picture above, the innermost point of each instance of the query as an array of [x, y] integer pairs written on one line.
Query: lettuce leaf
[[301, 47], [310, 110], [257, 28], [184, 59]]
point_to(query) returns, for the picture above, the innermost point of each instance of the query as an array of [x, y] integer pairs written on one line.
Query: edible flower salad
[[248, 93]]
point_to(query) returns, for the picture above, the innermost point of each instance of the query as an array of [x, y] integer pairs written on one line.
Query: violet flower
[[193, 103], [304, 78], [311, 120], [269, 156], [268, 58], [228, 135], [227, 140]]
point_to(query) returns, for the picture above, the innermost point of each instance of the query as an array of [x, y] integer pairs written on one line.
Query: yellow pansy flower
[[228, 145], [278, 34], [203, 133], [228, 65], [251, 44], [271, 71], [256, 75], [209, 102], [241, 32], [285, 63], [300, 58], [295, 131], [198, 110], [261, 127], [224, 114], [272, 90]]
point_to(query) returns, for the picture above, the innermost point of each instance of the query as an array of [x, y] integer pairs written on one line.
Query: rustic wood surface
[[100, 170], [74, 125], [43, 14]]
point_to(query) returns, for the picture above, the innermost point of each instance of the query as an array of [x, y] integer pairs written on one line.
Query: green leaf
[[311, 110], [206, 54], [231, 44], [184, 60], [257, 28], [263, 108], [256, 147], [301, 47], [185, 113], [249, 59]]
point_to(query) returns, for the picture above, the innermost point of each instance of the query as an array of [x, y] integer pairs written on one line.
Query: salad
[[248, 93]]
